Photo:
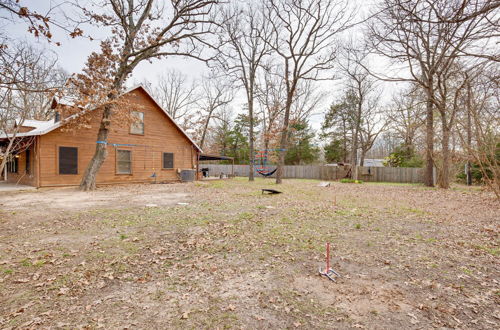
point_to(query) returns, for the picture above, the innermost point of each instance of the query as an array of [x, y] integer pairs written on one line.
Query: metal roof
[[214, 157]]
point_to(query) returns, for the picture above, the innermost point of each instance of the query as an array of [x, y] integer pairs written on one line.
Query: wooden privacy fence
[[368, 174]]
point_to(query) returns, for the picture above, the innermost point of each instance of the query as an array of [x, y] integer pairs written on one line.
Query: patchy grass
[[409, 257]]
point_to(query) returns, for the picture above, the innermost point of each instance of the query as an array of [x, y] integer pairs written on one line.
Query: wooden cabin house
[[153, 149]]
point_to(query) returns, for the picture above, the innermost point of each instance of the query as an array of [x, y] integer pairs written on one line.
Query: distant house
[[374, 162], [369, 162], [154, 149]]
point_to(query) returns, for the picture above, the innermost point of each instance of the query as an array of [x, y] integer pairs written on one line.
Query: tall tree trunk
[[444, 181], [469, 136], [252, 153], [344, 132], [429, 141], [354, 155], [284, 140], [362, 160], [89, 177]]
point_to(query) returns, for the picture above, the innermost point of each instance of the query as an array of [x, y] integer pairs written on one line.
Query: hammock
[[266, 174]]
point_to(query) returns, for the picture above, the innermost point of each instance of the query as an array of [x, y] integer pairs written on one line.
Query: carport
[[208, 157]]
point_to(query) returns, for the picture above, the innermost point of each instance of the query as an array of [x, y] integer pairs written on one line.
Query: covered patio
[[208, 157]]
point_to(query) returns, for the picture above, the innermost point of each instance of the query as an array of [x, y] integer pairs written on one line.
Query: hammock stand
[[263, 169]]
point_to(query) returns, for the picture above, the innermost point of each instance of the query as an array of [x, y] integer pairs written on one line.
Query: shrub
[[404, 156], [346, 180]]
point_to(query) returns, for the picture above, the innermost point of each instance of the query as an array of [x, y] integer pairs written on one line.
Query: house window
[[13, 164], [137, 124], [168, 160], [68, 160], [28, 162], [123, 162]]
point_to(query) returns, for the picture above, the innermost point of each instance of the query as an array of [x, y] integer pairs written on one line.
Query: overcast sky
[[73, 52]]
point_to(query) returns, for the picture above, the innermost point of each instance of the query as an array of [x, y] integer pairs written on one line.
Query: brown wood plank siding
[[160, 135], [21, 177]]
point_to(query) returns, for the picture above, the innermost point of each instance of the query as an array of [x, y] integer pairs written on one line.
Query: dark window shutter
[[28, 162], [68, 160], [168, 160]]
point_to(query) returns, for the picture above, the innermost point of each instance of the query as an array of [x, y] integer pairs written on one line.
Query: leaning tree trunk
[[429, 141], [89, 177], [205, 129]]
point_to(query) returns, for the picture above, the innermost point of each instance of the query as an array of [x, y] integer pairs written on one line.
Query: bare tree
[[478, 125], [365, 115], [247, 32], [406, 115], [307, 102], [215, 95], [466, 10], [303, 37], [417, 34], [28, 83], [175, 93], [271, 97], [373, 124], [141, 32]]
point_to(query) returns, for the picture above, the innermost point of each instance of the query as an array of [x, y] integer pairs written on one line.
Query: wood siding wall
[[21, 177], [160, 135]]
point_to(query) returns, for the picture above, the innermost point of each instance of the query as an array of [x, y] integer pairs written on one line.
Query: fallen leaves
[[63, 291], [205, 263]]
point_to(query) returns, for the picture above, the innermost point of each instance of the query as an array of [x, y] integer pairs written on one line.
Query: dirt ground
[[221, 255]]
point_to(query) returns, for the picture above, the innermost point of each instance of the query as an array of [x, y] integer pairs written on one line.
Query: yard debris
[[233, 254], [183, 204], [324, 184], [151, 205]]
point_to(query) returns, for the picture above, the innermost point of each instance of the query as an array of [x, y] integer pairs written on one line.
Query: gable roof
[[44, 127]]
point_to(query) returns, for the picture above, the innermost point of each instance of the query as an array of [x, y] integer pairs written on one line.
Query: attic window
[[137, 124], [57, 117]]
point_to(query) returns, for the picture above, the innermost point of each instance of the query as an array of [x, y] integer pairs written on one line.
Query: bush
[[404, 156]]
